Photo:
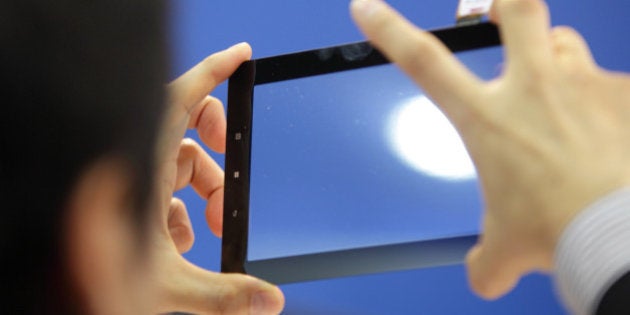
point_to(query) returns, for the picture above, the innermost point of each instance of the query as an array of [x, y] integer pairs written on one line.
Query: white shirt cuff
[[593, 252]]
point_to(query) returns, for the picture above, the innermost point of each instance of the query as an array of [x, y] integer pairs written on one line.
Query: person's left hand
[[183, 286]]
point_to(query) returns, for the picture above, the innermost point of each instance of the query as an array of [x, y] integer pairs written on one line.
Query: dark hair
[[81, 79]]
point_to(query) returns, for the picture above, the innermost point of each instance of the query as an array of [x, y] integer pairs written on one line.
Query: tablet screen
[[337, 164], [356, 159]]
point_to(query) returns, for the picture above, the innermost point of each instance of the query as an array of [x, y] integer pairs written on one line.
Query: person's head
[[81, 105]]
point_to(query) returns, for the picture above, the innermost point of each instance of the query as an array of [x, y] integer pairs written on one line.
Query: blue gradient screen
[[356, 159]]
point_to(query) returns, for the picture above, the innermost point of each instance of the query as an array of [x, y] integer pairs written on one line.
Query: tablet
[[337, 164]]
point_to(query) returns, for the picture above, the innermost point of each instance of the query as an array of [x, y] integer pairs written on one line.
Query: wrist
[[570, 206]]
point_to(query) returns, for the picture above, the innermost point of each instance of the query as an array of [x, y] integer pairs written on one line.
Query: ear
[[101, 239]]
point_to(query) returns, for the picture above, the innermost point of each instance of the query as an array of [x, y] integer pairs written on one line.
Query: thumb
[[489, 273], [198, 291]]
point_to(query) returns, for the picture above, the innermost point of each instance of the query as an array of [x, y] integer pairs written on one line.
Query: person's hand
[[548, 137], [182, 162]]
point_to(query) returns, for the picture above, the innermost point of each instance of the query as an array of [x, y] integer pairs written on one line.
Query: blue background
[[200, 27]]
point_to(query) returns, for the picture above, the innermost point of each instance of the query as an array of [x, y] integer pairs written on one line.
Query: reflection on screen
[[355, 159]]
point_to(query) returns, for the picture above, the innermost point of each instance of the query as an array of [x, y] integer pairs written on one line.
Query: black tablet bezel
[[238, 157]]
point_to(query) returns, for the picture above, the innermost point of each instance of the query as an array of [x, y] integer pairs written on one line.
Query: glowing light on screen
[[426, 141]]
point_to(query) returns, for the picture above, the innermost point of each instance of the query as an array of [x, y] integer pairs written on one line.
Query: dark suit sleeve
[[617, 299]]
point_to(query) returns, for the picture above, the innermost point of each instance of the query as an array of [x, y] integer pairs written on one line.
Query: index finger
[[193, 86], [422, 56]]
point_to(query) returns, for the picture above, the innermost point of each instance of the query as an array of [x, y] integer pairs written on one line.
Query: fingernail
[[261, 303], [366, 8]]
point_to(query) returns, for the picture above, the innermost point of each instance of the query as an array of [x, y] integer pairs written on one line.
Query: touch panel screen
[[338, 164], [355, 159]]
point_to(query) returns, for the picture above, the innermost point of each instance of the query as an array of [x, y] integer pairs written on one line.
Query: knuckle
[[539, 91], [484, 283], [479, 285], [537, 79], [210, 61], [572, 55], [189, 145], [418, 54], [177, 204], [532, 75], [209, 65], [563, 31], [188, 149], [566, 38], [228, 299]]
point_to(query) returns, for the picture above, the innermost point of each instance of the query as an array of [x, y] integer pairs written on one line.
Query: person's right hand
[[548, 137]]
